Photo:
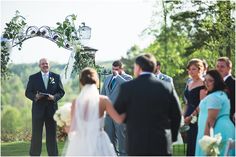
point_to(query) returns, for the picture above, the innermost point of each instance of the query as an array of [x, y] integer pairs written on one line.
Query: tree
[[10, 119], [191, 29], [209, 25], [13, 92], [128, 61]]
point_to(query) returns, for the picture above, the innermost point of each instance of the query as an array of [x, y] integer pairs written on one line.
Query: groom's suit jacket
[[44, 107], [152, 115], [230, 83], [112, 93]]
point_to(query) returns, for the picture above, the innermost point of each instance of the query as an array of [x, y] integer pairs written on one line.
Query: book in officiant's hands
[[44, 94]]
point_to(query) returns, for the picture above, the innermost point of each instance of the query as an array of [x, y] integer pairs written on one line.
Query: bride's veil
[[84, 130]]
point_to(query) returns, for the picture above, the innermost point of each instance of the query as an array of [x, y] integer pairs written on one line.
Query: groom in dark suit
[[152, 110], [44, 89]]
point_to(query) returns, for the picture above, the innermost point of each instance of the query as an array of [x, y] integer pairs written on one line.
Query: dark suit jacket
[[230, 83], [43, 107], [152, 115]]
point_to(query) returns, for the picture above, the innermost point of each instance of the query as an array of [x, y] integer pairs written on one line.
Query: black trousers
[[191, 139], [37, 132]]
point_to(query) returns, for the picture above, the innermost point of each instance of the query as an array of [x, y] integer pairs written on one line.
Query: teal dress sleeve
[[214, 101]]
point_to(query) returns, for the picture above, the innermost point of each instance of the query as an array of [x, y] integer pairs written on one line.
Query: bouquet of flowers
[[63, 116], [210, 144], [194, 119]]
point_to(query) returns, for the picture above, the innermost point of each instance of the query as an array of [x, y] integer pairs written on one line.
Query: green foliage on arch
[[66, 36]]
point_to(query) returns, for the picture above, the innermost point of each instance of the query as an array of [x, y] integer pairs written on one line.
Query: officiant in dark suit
[[44, 89], [152, 110]]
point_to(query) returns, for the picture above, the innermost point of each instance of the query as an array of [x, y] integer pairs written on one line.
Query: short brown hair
[[88, 76], [226, 60], [117, 63], [196, 62], [147, 62]]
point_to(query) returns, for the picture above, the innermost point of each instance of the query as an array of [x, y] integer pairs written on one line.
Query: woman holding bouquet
[[192, 95], [85, 134], [214, 113]]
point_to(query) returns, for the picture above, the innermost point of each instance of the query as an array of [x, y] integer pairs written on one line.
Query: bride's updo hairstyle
[[88, 76]]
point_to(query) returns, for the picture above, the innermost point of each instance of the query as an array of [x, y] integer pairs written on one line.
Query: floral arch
[[65, 35]]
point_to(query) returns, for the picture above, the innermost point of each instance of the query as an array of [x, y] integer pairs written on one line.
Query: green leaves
[[83, 60], [67, 30], [12, 32], [64, 35], [5, 49], [210, 26]]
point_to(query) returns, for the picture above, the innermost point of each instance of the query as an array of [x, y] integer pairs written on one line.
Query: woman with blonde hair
[[86, 133]]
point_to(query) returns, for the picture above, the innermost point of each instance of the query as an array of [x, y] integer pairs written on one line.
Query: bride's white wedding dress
[[86, 135]]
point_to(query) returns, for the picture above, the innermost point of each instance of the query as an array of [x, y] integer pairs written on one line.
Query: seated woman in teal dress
[[214, 112]]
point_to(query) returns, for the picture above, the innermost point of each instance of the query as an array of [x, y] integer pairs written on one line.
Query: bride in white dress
[[86, 135]]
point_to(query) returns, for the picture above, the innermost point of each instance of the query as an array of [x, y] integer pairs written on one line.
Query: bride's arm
[[118, 118]]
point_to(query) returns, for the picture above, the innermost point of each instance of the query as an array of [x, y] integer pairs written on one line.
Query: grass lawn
[[179, 149], [22, 149]]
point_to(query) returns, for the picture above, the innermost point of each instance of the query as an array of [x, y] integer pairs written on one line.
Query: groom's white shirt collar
[[45, 73], [146, 73]]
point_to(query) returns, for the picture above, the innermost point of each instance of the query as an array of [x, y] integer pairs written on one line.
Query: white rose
[[194, 119], [210, 144], [62, 115], [218, 138], [205, 142], [60, 123], [56, 117], [65, 113]]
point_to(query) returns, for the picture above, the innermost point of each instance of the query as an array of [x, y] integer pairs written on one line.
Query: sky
[[116, 26]]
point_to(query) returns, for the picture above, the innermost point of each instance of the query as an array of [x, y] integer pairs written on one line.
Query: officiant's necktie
[[45, 80]]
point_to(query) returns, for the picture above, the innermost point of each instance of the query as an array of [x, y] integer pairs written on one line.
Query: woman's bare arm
[[211, 118], [112, 112]]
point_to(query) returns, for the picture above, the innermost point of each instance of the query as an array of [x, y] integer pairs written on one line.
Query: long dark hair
[[219, 84]]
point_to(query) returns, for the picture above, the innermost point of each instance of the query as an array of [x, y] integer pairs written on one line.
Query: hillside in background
[[105, 64], [19, 77], [16, 108]]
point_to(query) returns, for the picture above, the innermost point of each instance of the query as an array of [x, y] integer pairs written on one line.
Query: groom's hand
[[115, 72]]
